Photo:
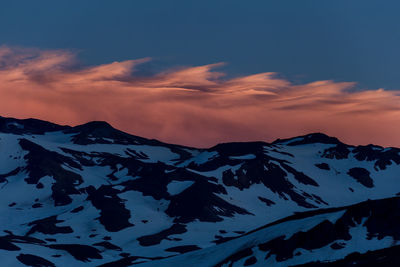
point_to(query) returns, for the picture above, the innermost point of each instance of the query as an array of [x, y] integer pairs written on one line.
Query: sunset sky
[[203, 72]]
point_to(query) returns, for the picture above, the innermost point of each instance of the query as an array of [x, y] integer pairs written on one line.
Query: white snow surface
[[176, 187], [148, 215]]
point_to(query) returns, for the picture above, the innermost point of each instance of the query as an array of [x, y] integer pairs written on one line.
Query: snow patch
[[177, 187]]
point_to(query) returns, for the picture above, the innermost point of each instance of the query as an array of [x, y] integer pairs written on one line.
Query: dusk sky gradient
[[203, 72]]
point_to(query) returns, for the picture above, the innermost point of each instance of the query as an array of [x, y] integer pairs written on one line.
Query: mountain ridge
[[92, 193], [313, 137]]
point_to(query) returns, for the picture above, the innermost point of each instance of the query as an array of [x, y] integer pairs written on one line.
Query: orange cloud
[[194, 105]]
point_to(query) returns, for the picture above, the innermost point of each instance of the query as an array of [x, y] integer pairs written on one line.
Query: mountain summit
[[94, 194]]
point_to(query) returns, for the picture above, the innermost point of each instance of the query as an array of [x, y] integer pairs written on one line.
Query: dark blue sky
[[303, 40]]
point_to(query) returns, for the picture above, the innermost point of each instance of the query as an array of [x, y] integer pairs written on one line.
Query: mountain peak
[[311, 138], [94, 125], [28, 126], [102, 132]]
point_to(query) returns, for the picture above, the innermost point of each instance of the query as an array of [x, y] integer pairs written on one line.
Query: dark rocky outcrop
[[362, 176], [34, 261]]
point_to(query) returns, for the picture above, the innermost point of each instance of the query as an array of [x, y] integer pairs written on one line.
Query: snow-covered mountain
[[91, 195]]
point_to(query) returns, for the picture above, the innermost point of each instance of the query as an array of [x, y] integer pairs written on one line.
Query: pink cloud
[[195, 106]]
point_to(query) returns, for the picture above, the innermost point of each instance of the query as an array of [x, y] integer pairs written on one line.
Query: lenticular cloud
[[195, 106]]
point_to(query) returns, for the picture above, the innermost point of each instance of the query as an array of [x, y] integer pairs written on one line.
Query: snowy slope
[[93, 194], [322, 236]]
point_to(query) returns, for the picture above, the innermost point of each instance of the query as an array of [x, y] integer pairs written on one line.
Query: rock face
[[93, 194]]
